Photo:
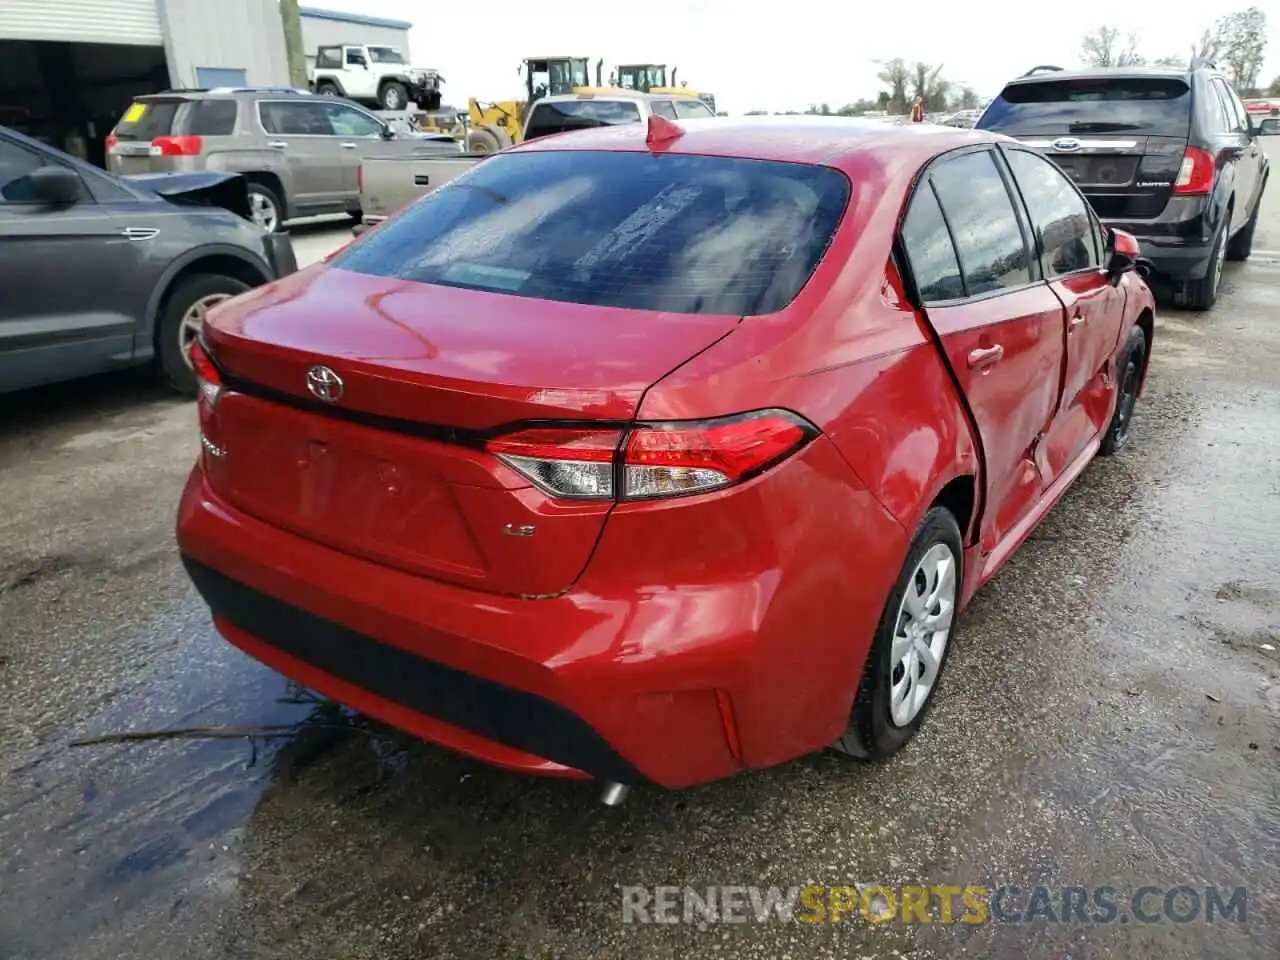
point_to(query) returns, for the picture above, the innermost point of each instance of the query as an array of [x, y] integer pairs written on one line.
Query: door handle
[[276, 144], [348, 145], [1077, 320], [985, 357]]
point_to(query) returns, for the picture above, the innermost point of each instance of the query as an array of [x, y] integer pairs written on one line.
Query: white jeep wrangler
[[375, 75]]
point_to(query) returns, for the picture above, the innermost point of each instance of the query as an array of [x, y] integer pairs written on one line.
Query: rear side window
[[329, 58], [692, 110], [988, 238], [148, 119], [929, 250], [1059, 217], [1160, 106], [566, 115], [685, 234], [211, 118]]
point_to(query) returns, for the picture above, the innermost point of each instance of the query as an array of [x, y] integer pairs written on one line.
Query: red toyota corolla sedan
[[657, 454]]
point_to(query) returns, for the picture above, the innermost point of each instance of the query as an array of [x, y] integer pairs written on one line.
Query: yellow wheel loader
[[494, 126], [652, 78]]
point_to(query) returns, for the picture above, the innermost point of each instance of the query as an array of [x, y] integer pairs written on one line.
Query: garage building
[[69, 68], [326, 27]]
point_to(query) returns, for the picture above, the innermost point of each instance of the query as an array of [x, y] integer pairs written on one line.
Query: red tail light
[[656, 459], [1196, 173], [177, 146], [208, 379], [111, 141]]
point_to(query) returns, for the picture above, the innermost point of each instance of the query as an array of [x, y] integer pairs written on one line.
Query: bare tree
[[1242, 39], [894, 74], [1104, 47], [927, 83]]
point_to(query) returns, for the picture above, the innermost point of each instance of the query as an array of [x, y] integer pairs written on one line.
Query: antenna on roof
[[661, 130]]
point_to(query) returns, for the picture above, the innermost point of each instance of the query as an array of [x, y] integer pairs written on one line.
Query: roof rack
[[1043, 68], [264, 88]]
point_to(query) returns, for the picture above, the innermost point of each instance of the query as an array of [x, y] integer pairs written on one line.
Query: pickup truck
[[388, 183]]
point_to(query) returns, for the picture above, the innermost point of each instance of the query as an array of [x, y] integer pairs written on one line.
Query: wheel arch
[[271, 180], [219, 259], [333, 81], [1146, 322]]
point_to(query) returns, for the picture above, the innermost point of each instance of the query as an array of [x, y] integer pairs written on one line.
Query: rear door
[[67, 300], [1120, 139], [359, 135], [1070, 249], [300, 131], [1246, 156], [1000, 325]]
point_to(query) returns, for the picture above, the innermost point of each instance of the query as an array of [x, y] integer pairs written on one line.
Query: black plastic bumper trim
[[516, 718]]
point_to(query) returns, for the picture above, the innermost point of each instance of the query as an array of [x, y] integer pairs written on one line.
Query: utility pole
[[292, 22]]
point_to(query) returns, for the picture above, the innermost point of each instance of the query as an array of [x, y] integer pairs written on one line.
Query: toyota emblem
[[324, 384], [1066, 143]]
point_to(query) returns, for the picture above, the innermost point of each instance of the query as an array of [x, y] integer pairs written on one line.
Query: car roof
[[603, 93], [833, 141], [196, 93]]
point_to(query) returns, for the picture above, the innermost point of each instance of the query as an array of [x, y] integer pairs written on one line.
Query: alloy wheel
[[193, 322], [924, 628], [264, 212]]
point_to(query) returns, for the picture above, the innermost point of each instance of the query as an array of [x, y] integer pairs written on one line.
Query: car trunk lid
[[393, 467], [1123, 177]]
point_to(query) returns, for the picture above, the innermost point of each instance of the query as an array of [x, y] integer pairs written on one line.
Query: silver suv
[[300, 152]]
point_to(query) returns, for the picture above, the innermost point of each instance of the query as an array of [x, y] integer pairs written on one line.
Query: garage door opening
[[70, 95]]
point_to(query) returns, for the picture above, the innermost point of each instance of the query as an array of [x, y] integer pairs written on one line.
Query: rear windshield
[[566, 115], [1158, 106], [686, 234], [148, 119]]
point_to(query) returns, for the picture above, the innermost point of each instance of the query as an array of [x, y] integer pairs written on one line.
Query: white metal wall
[[135, 22], [243, 35]]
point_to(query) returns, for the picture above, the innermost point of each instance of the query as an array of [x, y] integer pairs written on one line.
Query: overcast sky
[[782, 54]]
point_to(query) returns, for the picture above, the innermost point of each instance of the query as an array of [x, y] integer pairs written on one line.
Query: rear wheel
[[184, 314], [265, 207], [1202, 294], [327, 88], [1130, 372], [393, 96], [911, 643], [482, 141]]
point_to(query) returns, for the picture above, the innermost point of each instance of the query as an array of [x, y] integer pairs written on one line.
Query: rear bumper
[[1177, 261], [679, 678]]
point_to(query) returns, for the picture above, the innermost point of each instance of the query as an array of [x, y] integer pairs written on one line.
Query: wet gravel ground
[[1110, 717]]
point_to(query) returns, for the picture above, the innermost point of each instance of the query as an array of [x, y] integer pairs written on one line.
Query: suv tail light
[[653, 460], [177, 146], [208, 379], [111, 141], [1195, 176]]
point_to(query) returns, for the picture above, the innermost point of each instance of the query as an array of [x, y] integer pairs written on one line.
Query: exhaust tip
[[614, 794]]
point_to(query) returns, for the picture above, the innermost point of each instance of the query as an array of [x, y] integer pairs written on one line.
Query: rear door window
[[979, 211], [295, 118], [929, 249], [684, 234], [566, 115], [1156, 106], [1059, 216], [148, 119], [1239, 122]]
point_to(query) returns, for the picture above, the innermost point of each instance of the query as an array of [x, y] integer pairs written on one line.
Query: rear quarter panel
[[226, 155]]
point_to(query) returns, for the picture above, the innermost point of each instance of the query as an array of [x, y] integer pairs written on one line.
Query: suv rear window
[[566, 115], [1158, 106], [148, 119], [685, 234]]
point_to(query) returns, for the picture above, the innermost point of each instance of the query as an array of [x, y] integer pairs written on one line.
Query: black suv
[[1167, 154]]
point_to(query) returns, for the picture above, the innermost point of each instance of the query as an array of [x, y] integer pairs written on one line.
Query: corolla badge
[[1066, 143], [324, 384]]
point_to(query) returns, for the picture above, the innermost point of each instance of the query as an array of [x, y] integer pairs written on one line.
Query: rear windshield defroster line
[[674, 233]]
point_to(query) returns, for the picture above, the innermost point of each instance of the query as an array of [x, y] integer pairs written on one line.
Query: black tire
[[170, 335], [1202, 294], [262, 199], [393, 95], [483, 141], [1129, 374], [1241, 244], [327, 88], [356, 215], [872, 733]]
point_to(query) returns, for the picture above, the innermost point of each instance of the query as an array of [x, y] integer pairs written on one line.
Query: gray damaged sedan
[[99, 272]]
